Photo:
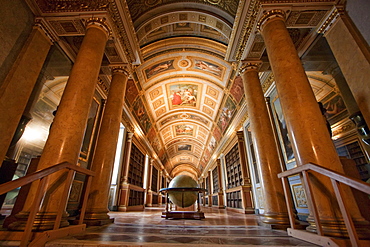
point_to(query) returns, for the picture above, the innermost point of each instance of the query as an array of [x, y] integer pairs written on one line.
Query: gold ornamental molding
[[251, 16], [275, 13], [267, 83], [101, 22], [333, 16], [140, 7], [120, 14], [42, 24], [250, 65], [124, 69], [55, 6], [103, 85]]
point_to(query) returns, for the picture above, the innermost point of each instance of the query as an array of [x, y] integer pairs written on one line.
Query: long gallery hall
[[184, 123]]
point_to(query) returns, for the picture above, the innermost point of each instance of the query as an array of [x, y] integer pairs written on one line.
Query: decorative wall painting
[[217, 134], [208, 67], [169, 119], [184, 147], [227, 112], [237, 89], [131, 91], [142, 115], [335, 108], [181, 95], [282, 128], [184, 129], [159, 68]]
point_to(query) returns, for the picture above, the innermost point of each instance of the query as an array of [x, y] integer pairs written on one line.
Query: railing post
[[346, 217], [311, 200], [64, 198], [84, 200], [288, 198], [34, 209]]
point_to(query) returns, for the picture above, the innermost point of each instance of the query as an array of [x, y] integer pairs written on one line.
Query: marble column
[[247, 194], [220, 185], [68, 129], [105, 151], [124, 186], [19, 83], [275, 210], [307, 129], [353, 57], [210, 188], [149, 192]]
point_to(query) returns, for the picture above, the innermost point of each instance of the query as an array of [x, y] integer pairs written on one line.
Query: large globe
[[183, 198]]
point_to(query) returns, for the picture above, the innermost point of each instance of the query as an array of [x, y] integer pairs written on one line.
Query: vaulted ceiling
[[184, 96], [184, 77]]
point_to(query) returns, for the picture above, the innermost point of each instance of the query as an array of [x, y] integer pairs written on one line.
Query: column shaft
[[67, 132], [103, 160], [18, 85], [308, 133], [275, 211], [149, 192], [220, 185]]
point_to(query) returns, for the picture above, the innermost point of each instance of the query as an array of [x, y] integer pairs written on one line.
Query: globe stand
[[169, 214]]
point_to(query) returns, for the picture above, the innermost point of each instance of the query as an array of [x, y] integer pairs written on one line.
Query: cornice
[[80, 13], [125, 31], [245, 20], [49, 32], [62, 6]]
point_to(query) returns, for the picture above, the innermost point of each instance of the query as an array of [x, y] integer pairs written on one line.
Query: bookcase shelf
[[136, 169], [354, 151], [215, 180]]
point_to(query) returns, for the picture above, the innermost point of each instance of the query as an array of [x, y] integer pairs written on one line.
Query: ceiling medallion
[[184, 115], [184, 63]]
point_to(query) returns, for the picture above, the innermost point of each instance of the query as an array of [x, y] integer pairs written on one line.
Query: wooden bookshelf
[[154, 185], [136, 169], [215, 180], [355, 152], [233, 168]]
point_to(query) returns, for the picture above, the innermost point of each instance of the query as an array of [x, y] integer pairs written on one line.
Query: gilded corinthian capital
[[250, 65], [101, 22], [120, 69], [275, 13]]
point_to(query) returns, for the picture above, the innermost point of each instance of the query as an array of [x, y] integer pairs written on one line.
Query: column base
[[275, 221], [97, 218], [98, 222], [122, 208], [43, 221], [336, 227], [249, 211]]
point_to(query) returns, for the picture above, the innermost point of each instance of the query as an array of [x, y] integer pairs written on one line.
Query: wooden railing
[[42, 175], [336, 179]]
